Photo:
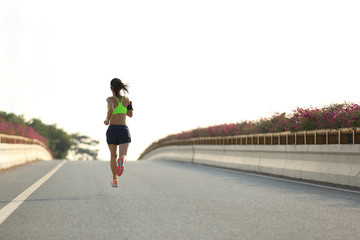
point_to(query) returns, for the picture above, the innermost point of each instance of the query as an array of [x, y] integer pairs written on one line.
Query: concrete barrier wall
[[174, 153], [17, 154], [336, 164]]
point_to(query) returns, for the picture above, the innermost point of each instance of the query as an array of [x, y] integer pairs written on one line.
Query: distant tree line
[[81, 147]]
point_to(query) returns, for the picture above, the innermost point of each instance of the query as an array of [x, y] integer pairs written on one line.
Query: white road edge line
[[6, 211]]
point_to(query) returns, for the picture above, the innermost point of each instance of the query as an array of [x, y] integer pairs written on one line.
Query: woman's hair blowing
[[117, 85]]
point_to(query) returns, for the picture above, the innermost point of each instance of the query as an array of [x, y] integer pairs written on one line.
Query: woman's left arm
[[129, 111]]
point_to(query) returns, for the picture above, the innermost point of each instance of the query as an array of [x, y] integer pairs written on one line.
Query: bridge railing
[[12, 139], [317, 137]]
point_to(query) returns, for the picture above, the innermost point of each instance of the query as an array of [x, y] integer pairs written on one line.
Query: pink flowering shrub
[[20, 130], [346, 115], [334, 116]]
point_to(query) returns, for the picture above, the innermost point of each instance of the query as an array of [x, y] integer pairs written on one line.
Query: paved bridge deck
[[171, 200]]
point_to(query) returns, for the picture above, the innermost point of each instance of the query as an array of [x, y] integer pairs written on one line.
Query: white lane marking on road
[[6, 211]]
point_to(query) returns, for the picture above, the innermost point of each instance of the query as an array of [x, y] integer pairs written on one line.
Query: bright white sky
[[189, 63]]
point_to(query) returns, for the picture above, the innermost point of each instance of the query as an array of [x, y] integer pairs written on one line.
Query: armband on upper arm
[[130, 107]]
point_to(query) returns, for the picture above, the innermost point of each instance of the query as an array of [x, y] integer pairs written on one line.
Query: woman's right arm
[[110, 106]]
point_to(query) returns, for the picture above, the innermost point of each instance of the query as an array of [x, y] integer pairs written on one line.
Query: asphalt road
[[171, 200]]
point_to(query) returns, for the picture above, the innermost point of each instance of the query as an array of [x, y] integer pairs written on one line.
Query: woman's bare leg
[[123, 148], [113, 156]]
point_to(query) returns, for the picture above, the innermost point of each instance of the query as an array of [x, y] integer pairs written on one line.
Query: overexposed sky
[[188, 63]]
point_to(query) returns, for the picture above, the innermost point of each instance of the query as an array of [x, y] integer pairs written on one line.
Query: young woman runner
[[117, 134]]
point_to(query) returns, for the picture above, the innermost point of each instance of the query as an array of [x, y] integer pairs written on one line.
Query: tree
[[59, 141], [83, 147], [11, 117]]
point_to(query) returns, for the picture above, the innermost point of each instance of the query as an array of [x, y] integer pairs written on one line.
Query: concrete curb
[[16, 154], [336, 164]]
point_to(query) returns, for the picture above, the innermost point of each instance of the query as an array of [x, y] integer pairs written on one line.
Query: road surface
[[171, 200]]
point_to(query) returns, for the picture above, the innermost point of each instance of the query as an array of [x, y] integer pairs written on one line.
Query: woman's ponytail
[[124, 87], [117, 85]]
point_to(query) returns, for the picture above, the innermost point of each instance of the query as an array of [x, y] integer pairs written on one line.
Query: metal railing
[[4, 138], [327, 136]]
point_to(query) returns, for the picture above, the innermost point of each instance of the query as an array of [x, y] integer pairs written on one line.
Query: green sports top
[[120, 108]]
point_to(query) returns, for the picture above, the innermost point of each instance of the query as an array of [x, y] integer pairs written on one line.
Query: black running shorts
[[118, 134]]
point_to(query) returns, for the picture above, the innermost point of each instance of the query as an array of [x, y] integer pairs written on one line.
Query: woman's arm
[[108, 116], [129, 111], [110, 105]]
